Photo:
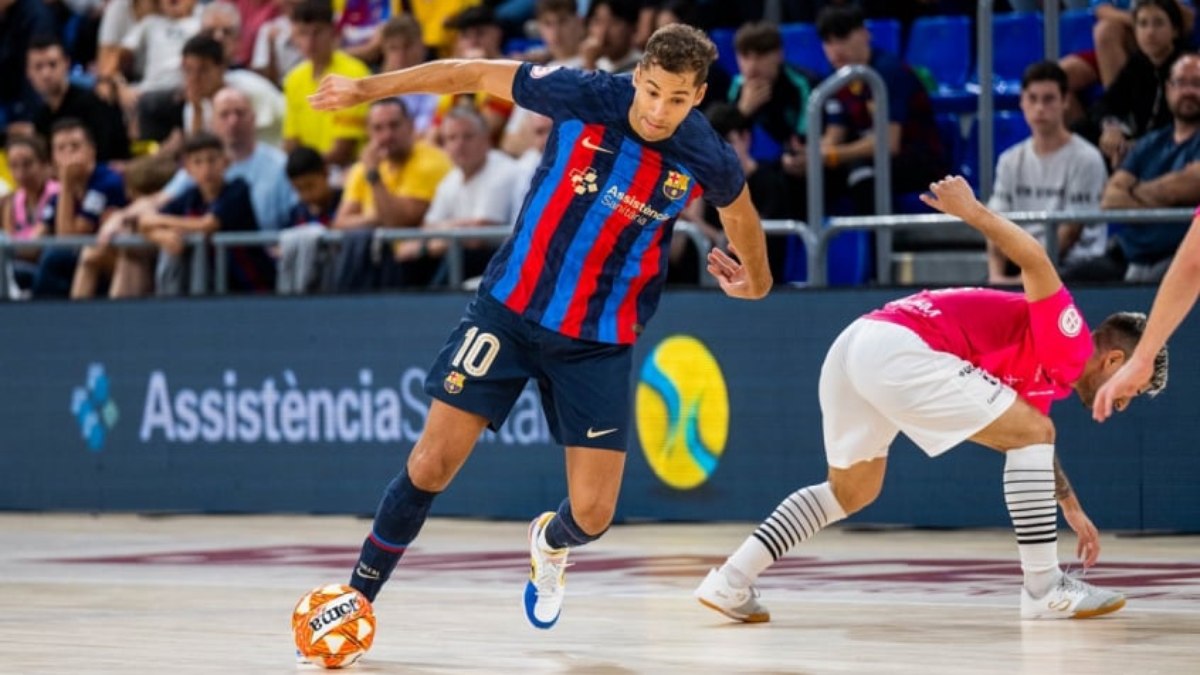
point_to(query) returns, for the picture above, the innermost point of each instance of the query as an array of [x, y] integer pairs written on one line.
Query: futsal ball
[[333, 625]]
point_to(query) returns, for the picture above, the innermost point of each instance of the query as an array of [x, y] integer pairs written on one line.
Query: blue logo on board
[[93, 408]]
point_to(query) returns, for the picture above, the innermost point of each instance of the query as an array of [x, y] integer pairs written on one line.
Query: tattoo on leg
[[1062, 486]]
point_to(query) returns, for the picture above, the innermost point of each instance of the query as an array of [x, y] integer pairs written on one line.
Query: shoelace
[[549, 572]]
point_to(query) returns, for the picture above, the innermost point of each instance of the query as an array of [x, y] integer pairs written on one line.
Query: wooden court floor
[[213, 594]]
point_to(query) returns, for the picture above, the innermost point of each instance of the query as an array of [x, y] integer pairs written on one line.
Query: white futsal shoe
[[547, 578], [1070, 598], [739, 604]]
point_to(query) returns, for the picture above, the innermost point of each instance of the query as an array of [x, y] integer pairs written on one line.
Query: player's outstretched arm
[[953, 196], [447, 76], [1175, 298], [751, 278], [1088, 546]]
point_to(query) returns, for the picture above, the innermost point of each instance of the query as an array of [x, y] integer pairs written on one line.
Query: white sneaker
[[547, 578], [739, 604], [1070, 598]]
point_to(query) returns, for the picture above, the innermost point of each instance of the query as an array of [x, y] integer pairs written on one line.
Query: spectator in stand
[[20, 21], [1052, 170], [561, 30], [534, 132], [254, 15], [220, 21], [46, 68], [1162, 170], [1114, 41], [189, 109], [611, 28], [1135, 101], [336, 135], [401, 47], [391, 186], [212, 204], [433, 16], [479, 36], [156, 41], [477, 192], [304, 264], [686, 12], [88, 193], [129, 272], [275, 53], [848, 145], [20, 212], [260, 165]]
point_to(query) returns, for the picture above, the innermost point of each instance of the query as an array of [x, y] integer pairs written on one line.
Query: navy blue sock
[[399, 518], [564, 532]]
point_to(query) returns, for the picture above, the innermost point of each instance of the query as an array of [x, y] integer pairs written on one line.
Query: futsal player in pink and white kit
[[947, 366]]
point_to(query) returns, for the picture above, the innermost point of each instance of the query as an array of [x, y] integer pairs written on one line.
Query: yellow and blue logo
[[682, 411]]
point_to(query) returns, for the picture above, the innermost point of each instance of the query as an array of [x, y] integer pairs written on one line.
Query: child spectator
[[304, 265], [20, 215], [212, 204], [130, 271]]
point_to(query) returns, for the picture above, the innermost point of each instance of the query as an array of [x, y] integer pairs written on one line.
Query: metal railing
[[815, 176], [816, 242]]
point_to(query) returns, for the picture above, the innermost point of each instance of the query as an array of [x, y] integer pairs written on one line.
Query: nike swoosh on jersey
[[590, 144], [593, 433]]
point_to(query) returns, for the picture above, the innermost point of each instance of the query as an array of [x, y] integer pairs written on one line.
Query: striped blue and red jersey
[[588, 253]]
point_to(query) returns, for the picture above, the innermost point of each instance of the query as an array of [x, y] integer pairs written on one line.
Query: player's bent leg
[[444, 446], [730, 589], [593, 483], [1026, 436]]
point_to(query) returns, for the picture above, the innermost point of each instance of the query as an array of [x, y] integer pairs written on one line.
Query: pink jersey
[[1037, 348]]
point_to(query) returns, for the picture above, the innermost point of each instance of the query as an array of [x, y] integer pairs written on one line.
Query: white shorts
[[880, 378]]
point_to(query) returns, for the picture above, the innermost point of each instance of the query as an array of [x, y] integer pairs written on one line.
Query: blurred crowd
[[174, 118]]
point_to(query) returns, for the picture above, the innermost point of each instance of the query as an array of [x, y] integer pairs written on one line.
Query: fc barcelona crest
[[454, 382], [676, 185]]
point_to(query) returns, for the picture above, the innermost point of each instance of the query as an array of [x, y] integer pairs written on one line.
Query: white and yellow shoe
[[739, 604], [1070, 598], [547, 578]]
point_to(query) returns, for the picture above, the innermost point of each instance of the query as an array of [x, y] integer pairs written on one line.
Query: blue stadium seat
[[1018, 42], [1008, 129], [942, 46], [885, 35], [1075, 31], [726, 56], [802, 47]]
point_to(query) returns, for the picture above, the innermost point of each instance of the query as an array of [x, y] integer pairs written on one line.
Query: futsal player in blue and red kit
[[569, 292]]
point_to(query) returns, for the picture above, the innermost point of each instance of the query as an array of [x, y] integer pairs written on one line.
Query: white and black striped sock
[[1029, 494], [797, 518]]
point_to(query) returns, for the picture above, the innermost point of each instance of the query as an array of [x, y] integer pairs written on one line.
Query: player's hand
[[337, 91], [1088, 547], [953, 196], [1120, 388], [730, 273]]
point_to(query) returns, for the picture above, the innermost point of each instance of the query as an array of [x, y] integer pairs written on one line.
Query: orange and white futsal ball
[[334, 625]]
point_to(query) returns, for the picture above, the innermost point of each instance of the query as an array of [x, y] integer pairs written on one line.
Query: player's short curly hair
[[679, 48], [1123, 330]]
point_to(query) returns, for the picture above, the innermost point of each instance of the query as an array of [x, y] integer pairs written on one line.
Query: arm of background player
[[743, 227], [447, 76], [954, 196]]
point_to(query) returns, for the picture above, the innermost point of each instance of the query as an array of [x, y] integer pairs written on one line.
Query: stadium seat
[[726, 56], [1008, 129], [1017, 40], [885, 35], [1075, 31], [802, 47], [942, 46]]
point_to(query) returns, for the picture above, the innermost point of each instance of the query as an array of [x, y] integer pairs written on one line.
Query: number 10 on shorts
[[477, 352]]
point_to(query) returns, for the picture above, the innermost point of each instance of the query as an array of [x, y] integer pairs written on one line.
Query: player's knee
[[428, 469], [1038, 430], [593, 515], [855, 495]]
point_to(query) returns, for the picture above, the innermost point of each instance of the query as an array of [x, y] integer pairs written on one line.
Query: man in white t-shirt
[[1052, 170], [156, 41], [477, 192]]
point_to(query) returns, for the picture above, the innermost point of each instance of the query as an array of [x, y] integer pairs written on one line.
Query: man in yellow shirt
[[338, 134], [391, 185]]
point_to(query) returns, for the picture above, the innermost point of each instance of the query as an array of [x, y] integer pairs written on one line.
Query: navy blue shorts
[[488, 359]]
